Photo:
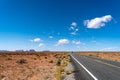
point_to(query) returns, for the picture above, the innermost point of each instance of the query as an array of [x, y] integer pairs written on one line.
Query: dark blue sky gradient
[[23, 20]]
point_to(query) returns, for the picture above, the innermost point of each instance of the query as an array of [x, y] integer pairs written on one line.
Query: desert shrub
[[1, 77], [56, 55], [35, 58], [67, 72], [1, 66], [9, 59], [58, 62], [21, 61], [45, 57], [51, 61], [90, 55], [97, 56]]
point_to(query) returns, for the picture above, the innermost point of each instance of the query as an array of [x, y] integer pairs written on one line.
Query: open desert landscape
[[44, 65], [59, 40], [30, 65], [115, 56]]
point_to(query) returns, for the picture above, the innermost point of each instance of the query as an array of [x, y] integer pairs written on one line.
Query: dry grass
[[61, 63], [29, 65]]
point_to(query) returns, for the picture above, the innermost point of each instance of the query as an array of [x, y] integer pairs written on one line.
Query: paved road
[[91, 68]]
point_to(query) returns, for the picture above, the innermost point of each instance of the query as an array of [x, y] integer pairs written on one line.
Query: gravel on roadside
[[68, 73]]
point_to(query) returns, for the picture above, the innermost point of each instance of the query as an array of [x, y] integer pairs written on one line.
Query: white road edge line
[[84, 68]]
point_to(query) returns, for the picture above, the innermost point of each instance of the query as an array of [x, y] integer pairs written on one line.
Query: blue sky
[[60, 25]]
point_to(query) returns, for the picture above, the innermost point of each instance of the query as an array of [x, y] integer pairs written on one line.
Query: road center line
[[84, 68], [107, 64]]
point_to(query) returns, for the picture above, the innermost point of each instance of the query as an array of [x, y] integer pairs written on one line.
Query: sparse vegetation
[[67, 72], [51, 61], [21, 61], [58, 62], [9, 59], [61, 63], [32, 65], [90, 55]]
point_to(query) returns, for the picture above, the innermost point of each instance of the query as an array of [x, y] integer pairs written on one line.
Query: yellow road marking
[[107, 64]]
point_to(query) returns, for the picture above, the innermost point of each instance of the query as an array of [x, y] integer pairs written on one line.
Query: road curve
[[91, 68]]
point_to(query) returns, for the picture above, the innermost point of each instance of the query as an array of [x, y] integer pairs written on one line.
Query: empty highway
[[91, 68]]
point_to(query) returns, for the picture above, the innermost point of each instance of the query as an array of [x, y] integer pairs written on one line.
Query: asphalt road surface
[[91, 68]]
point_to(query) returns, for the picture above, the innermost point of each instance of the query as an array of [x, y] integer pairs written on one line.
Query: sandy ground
[[105, 55], [25, 66]]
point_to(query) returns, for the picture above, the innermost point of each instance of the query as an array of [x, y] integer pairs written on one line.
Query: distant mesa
[[4, 51], [31, 50], [19, 51], [46, 51]]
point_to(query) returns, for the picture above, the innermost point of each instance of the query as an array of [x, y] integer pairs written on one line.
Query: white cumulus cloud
[[76, 42], [73, 28], [74, 24], [41, 45], [62, 42], [36, 40], [97, 22], [51, 37], [73, 33]]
